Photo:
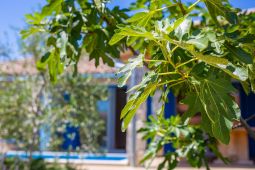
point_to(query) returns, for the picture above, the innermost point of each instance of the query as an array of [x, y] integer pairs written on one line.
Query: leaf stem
[[166, 7], [180, 82], [163, 61], [182, 64], [168, 73], [173, 50], [165, 54], [171, 81], [191, 7]]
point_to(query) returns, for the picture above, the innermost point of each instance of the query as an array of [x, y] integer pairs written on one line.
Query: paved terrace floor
[[105, 167]]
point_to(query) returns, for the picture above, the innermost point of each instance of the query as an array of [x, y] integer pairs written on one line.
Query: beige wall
[[4, 147], [238, 148]]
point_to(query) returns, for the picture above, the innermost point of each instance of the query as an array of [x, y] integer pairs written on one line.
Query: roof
[[27, 66]]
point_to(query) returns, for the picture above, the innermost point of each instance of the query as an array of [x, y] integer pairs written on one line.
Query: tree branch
[[250, 118], [239, 125], [248, 128]]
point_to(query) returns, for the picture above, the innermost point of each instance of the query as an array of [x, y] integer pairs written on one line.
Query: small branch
[[250, 118], [239, 125], [182, 8], [133, 51], [248, 128]]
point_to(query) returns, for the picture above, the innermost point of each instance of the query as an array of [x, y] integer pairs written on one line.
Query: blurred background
[[77, 118]]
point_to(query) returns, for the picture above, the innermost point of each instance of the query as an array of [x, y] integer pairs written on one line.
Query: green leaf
[[246, 87], [146, 87], [216, 8], [239, 54], [54, 5], [116, 38], [31, 31], [136, 32], [51, 58], [99, 53], [200, 43], [141, 19], [122, 80], [134, 103], [137, 17], [239, 73], [212, 99], [176, 24], [62, 44], [42, 63], [100, 5], [47, 10], [166, 27], [252, 77], [194, 103], [221, 129], [126, 71], [183, 28], [130, 32]]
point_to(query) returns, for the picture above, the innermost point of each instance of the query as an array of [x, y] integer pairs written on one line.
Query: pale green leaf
[[126, 71], [116, 38], [200, 43], [134, 104], [183, 28], [138, 17], [239, 73]]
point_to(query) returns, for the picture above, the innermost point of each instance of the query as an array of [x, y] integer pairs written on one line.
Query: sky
[[12, 14]]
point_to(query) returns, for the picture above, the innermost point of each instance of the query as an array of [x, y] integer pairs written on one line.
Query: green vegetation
[[192, 49], [37, 164], [31, 104]]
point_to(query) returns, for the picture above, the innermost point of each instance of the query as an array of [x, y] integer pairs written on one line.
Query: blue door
[[170, 110], [248, 109]]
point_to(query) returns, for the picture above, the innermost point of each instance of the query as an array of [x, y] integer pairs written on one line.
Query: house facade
[[241, 148]]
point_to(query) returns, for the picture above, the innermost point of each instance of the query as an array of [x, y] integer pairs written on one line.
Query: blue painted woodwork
[[248, 109], [71, 138], [149, 107], [170, 110]]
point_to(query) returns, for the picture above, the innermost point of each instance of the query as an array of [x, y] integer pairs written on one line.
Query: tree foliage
[[189, 142], [192, 49], [32, 106]]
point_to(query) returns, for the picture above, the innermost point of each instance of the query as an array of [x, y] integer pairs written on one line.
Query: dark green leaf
[[239, 54], [212, 99], [216, 8]]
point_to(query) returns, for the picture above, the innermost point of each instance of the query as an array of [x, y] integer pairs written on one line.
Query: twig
[[182, 8], [239, 125], [250, 118], [133, 51], [248, 128]]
